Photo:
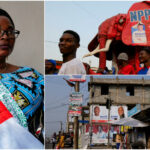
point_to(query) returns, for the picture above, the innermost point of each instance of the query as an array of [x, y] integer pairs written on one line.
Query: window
[[92, 93], [130, 90], [104, 90]]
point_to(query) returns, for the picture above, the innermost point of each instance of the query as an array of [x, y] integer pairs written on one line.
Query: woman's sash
[[13, 134], [7, 99]]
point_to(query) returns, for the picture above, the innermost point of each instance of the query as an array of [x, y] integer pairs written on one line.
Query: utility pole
[[76, 124], [109, 126], [61, 126], [108, 105], [91, 128]]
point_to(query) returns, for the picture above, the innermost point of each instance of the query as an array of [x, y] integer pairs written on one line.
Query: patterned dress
[[27, 87]]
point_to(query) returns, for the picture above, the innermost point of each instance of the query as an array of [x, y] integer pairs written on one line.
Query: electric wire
[[93, 16], [54, 42]]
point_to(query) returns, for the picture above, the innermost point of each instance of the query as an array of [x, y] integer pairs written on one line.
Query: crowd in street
[[62, 140]]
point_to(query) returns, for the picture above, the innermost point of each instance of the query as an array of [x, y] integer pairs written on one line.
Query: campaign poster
[[75, 104], [75, 111], [100, 113], [100, 133], [138, 33]]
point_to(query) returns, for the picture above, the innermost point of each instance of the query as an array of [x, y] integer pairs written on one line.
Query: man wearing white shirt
[[68, 44]]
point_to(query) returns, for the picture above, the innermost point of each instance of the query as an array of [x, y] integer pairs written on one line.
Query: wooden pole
[[76, 132], [76, 124]]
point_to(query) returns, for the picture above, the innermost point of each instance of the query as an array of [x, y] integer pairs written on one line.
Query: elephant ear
[[93, 45], [138, 14]]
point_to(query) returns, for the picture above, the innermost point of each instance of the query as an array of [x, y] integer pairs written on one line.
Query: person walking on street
[[54, 140]]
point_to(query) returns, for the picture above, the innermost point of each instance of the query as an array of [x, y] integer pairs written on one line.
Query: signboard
[[134, 110], [137, 28], [75, 108], [79, 78], [75, 111], [70, 118], [70, 127], [100, 113], [83, 121], [76, 98], [100, 133]]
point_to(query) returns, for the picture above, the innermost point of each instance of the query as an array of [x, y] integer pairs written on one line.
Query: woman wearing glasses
[[21, 95]]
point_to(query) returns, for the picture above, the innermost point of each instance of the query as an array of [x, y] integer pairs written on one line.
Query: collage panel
[[21, 75], [116, 42], [97, 112]]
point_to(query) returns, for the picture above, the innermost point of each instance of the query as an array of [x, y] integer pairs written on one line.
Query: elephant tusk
[[97, 50], [86, 55]]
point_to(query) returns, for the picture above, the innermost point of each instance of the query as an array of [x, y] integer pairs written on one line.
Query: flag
[[13, 135]]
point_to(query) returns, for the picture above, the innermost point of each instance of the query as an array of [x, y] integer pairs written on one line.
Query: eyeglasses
[[10, 33]]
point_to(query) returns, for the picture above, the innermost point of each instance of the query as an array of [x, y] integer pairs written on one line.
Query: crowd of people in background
[[62, 140], [68, 45]]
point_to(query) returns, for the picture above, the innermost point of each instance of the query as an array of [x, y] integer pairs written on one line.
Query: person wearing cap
[[123, 66], [50, 66], [68, 45], [144, 58]]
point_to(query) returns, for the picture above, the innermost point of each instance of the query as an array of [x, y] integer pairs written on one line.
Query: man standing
[[144, 57], [50, 67], [68, 44]]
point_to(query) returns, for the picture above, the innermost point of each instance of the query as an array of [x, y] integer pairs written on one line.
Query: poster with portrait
[[100, 132], [138, 33], [137, 14], [100, 113]]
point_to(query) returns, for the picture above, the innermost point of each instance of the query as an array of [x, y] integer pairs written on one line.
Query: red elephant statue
[[110, 29], [119, 34]]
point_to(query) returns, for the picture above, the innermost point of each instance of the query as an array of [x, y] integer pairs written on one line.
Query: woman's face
[[6, 43]]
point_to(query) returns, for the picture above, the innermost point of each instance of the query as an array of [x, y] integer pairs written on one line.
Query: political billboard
[[100, 132], [100, 113]]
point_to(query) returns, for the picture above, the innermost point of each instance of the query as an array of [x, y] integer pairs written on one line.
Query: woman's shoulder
[[23, 73], [25, 69], [14, 68], [28, 73]]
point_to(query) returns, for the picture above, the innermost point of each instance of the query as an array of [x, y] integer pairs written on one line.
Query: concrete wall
[[28, 17], [119, 96]]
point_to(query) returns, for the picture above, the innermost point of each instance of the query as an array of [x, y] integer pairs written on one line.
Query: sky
[[84, 17], [57, 94]]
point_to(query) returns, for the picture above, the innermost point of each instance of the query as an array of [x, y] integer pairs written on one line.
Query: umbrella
[[129, 122]]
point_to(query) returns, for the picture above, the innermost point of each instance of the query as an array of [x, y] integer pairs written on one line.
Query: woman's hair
[[4, 13]]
